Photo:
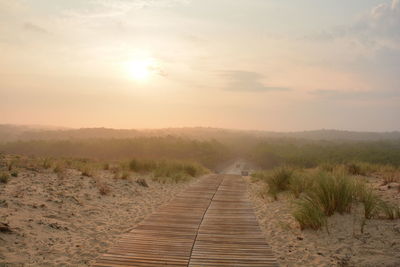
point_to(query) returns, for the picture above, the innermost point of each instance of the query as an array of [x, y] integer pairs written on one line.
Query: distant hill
[[10, 133]]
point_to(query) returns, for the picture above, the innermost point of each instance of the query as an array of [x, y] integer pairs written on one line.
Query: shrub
[[14, 174], [59, 169], [279, 180], [328, 194], [299, 183], [309, 214], [334, 193], [355, 169], [4, 178], [390, 211], [174, 177], [389, 177], [46, 163], [142, 165], [370, 202], [191, 169], [327, 167]]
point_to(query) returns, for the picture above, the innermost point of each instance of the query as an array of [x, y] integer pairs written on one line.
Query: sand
[[345, 245], [65, 221]]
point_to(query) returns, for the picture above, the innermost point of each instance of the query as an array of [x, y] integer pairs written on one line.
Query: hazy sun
[[141, 70]]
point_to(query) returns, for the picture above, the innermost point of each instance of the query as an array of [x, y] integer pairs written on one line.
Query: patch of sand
[[345, 245], [66, 221]]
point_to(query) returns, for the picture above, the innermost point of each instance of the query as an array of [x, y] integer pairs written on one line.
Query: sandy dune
[[66, 221], [345, 245]]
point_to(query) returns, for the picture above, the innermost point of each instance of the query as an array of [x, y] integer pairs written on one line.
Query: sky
[[275, 65]]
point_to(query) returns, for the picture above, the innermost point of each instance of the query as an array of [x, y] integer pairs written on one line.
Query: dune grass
[[4, 177], [284, 178], [309, 214], [322, 192], [164, 171], [338, 192]]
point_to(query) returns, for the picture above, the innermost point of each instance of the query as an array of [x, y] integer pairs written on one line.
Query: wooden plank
[[229, 234], [166, 237], [210, 224]]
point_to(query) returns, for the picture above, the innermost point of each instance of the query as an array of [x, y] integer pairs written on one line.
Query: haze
[[268, 65]]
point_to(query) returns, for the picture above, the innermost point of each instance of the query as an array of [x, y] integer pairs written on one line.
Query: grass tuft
[[309, 214], [279, 180], [4, 178]]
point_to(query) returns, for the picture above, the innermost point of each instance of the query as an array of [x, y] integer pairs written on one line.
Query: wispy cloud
[[115, 8], [379, 26], [356, 94], [35, 28], [238, 80]]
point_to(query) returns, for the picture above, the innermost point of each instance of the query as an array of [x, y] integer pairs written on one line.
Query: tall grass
[[333, 193], [279, 180], [309, 214], [284, 178], [328, 193], [299, 183], [369, 200], [337, 192], [167, 170]]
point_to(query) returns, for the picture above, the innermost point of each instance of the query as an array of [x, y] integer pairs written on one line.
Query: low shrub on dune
[[337, 192]]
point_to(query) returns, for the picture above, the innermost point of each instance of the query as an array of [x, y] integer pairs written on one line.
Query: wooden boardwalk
[[210, 224]]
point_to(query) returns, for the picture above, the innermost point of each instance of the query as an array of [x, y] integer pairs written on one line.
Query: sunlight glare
[[141, 69]]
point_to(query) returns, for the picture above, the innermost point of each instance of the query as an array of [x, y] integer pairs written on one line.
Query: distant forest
[[211, 147]]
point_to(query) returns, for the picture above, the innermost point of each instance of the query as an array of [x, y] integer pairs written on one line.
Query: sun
[[141, 69]]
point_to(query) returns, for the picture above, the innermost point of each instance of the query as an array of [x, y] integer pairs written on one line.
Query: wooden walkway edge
[[212, 223]]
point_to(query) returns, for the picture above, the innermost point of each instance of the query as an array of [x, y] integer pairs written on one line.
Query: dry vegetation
[[319, 202]]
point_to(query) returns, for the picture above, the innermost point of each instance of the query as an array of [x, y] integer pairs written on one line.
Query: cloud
[[247, 81], [35, 28], [379, 26], [106, 8], [356, 94]]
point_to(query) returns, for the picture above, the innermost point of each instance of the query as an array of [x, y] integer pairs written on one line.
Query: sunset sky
[[247, 64]]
